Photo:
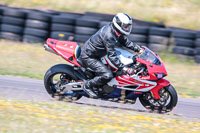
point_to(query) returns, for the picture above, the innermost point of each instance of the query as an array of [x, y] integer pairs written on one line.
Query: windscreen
[[150, 57]]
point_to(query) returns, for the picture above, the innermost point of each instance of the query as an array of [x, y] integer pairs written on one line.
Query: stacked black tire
[[103, 18], [184, 43], [12, 25], [159, 39], [86, 26], [103, 23], [63, 25], [197, 47], [139, 35], [1, 13], [33, 26], [36, 27]]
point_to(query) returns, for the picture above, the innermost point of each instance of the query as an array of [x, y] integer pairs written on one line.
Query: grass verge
[[28, 117], [33, 61]]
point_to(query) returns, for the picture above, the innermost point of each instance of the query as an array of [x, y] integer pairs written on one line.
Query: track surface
[[31, 89]]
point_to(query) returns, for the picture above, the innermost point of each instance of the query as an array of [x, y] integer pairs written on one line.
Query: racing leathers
[[100, 44]]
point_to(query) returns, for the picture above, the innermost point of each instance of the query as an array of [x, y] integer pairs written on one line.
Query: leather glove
[[129, 71], [137, 48]]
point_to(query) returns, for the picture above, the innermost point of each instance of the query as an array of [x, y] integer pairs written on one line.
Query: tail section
[[70, 51]]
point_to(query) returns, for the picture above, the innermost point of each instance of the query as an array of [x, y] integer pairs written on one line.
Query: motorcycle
[[65, 82]]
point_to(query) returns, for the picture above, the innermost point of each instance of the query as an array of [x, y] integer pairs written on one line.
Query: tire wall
[[35, 26]]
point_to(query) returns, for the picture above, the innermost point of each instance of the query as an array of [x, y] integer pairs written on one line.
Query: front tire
[[166, 103], [58, 75]]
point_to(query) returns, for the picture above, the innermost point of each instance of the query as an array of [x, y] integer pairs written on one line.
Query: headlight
[[160, 75]]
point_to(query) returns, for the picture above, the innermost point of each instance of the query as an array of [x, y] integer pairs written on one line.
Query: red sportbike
[[65, 82]]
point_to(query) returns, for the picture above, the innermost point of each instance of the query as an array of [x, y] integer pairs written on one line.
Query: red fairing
[[128, 80], [152, 69], [66, 49], [160, 84]]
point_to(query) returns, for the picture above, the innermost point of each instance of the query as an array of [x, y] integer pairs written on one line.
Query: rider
[[103, 43]]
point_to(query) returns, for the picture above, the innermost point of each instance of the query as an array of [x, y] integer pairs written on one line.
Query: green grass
[[184, 74], [26, 60], [181, 13], [33, 61], [34, 117]]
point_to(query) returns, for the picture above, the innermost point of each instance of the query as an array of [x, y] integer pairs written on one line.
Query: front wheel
[[57, 76], [168, 100]]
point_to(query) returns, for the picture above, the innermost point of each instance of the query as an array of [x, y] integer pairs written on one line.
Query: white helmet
[[123, 23]]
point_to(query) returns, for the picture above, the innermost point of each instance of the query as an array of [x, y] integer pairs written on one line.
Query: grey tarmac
[[19, 88]]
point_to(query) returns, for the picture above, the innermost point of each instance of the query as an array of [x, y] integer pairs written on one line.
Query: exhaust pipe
[[47, 48]]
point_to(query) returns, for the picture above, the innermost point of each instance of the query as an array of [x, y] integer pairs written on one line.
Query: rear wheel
[[168, 100], [54, 78]]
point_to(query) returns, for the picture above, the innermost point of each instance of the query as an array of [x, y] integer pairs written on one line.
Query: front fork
[[160, 84]]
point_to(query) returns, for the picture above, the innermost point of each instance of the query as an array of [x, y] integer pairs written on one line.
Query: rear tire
[[172, 94], [66, 71]]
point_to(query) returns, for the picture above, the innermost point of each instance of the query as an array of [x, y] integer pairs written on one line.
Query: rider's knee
[[108, 76]]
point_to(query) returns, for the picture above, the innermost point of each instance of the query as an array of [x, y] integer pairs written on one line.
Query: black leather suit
[[100, 44]]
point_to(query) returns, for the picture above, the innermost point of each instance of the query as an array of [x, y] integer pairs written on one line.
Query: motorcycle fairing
[[135, 83], [68, 50], [152, 69], [160, 84], [124, 81], [132, 83]]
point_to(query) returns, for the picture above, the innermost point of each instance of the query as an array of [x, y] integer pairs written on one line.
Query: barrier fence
[[35, 26]]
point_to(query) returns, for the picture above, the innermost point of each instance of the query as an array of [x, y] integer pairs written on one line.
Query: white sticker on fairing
[[115, 82]]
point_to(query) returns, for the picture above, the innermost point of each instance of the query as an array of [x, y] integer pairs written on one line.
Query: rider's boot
[[89, 91]]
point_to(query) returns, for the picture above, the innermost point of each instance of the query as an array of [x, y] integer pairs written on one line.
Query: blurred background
[[171, 28]]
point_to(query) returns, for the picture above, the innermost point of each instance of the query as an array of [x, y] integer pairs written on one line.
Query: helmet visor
[[127, 27]]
